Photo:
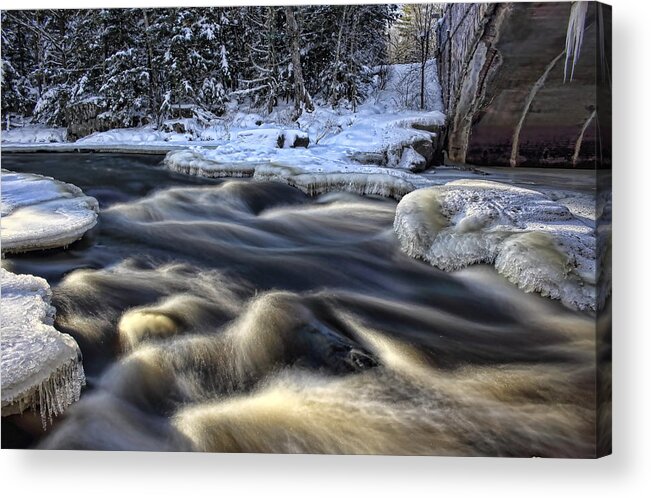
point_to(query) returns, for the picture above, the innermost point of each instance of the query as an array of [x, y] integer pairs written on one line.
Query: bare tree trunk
[[152, 78], [271, 35], [352, 49], [424, 24], [302, 99], [423, 65], [333, 85], [423, 61]]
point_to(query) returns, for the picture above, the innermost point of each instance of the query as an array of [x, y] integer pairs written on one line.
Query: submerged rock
[[534, 242]]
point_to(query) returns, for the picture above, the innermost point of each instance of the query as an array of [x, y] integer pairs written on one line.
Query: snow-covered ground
[[369, 151], [41, 367], [34, 134], [376, 132], [535, 242], [42, 213]]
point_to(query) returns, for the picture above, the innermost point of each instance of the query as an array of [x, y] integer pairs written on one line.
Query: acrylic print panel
[[363, 229]]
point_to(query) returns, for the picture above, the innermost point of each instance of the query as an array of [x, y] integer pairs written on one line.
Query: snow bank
[[34, 135], [41, 367], [533, 241], [386, 135], [42, 213], [383, 131], [143, 135], [273, 137]]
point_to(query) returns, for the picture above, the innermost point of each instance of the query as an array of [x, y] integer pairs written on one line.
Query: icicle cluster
[[41, 367], [574, 38]]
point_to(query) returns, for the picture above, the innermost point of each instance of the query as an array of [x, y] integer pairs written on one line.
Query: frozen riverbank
[[387, 129]]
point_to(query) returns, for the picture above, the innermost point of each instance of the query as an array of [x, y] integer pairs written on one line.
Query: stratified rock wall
[[507, 100]]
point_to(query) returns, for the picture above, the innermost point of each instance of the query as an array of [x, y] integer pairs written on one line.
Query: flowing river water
[[236, 316]]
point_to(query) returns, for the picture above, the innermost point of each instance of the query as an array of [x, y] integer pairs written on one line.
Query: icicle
[[574, 38], [56, 393], [41, 367]]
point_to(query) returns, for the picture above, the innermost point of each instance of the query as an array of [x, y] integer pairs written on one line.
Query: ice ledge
[[533, 241], [311, 173], [41, 367], [39, 212]]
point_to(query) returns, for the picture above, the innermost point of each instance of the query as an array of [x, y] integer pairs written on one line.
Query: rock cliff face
[[508, 102], [89, 116], [85, 118]]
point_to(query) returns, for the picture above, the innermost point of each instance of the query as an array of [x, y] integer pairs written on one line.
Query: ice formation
[[534, 242], [41, 367], [42, 213], [195, 162], [359, 180], [309, 171]]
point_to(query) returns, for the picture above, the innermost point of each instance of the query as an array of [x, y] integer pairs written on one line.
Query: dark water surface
[[231, 315]]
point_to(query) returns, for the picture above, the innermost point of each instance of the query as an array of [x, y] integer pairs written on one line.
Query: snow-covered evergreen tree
[[265, 78], [192, 60], [18, 93], [147, 65]]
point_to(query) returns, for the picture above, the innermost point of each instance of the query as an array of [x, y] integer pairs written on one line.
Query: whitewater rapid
[[240, 316]]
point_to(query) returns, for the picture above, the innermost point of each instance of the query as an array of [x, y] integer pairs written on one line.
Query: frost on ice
[[41, 367], [42, 213], [355, 179], [534, 242], [314, 171]]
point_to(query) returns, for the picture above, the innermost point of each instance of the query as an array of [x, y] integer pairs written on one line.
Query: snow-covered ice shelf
[[41, 367], [533, 241], [42, 213], [314, 171], [361, 180]]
